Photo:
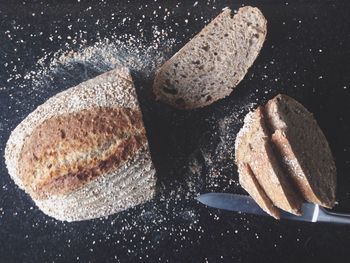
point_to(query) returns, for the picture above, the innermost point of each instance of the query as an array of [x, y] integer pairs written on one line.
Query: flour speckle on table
[[204, 165], [62, 69], [104, 55]]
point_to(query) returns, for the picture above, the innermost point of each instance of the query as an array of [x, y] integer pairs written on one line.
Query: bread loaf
[[84, 152], [283, 158], [211, 64]]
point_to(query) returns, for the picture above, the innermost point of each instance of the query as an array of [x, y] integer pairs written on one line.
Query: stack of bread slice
[[284, 159]]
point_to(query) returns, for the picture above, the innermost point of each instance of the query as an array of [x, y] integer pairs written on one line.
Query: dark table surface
[[306, 55]]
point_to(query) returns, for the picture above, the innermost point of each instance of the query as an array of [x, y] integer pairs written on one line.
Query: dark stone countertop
[[306, 55]]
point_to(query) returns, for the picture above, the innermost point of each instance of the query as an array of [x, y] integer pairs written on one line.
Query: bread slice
[[303, 148], [249, 182], [84, 152], [211, 65], [253, 148]]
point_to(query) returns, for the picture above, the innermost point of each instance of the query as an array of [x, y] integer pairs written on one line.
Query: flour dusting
[[104, 55], [198, 156]]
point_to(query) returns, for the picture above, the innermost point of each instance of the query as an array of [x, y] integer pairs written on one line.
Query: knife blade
[[246, 204]]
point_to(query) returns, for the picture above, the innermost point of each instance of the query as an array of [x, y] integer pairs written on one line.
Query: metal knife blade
[[246, 204]]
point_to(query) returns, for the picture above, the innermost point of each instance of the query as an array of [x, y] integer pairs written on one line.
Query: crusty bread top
[[113, 89], [65, 152], [211, 64]]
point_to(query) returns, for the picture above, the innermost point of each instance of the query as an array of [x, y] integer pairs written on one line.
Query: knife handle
[[335, 218]]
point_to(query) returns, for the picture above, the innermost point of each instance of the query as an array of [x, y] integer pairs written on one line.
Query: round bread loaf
[[84, 152]]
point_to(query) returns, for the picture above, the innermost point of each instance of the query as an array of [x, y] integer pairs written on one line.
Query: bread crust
[[65, 152], [108, 194], [248, 181], [100, 118]]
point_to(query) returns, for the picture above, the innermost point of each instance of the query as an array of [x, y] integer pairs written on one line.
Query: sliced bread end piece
[[248, 181], [303, 148], [211, 65], [253, 147]]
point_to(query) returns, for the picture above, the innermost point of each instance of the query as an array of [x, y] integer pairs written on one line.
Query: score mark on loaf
[[84, 152]]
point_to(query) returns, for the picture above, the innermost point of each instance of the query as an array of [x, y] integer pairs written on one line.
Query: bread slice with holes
[[84, 153], [303, 149], [211, 64], [253, 149]]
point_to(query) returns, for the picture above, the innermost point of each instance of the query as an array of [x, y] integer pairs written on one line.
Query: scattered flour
[[174, 214], [102, 56]]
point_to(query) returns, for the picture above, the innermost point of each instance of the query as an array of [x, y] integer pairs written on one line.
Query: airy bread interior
[[210, 65]]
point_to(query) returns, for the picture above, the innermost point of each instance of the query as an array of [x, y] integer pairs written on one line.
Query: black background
[[306, 55]]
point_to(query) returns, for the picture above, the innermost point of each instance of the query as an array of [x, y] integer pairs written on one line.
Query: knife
[[246, 204]]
